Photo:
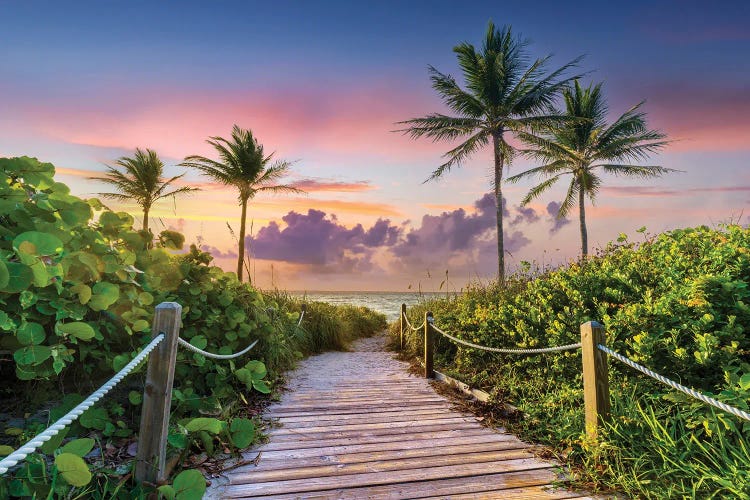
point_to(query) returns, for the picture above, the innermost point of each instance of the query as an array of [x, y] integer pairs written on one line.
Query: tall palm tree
[[584, 145], [141, 181], [243, 165], [504, 93]]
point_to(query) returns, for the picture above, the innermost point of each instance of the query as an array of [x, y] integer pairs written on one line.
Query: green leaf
[[189, 485], [207, 424], [119, 362], [140, 325], [261, 386], [5, 450], [258, 368], [166, 491], [243, 432], [178, 440], [745, 382], [199, 341], [73, 469], [20, 277], [4, 275], [32, 355], [135, 397], [83, 291], [80, 447], [77, 329], [95, 418], [30, 334], [104, 295], [37, 243]]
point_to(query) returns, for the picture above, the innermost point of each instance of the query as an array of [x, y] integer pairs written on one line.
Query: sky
[[324, 83]]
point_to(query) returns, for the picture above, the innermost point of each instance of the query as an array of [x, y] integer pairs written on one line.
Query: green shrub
[[678, 303]]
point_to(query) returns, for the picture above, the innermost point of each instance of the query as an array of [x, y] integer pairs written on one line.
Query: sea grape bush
[[677, 303], [77, 295]]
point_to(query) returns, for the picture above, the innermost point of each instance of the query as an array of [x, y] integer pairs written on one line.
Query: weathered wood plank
[[396, 464], [355, 454], [358, 410], [398, 431], [291, 445], [375, 478], [334, 427], [418, 445], [372, 417]]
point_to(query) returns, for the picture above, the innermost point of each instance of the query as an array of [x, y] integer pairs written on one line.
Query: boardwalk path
[[356, 425]]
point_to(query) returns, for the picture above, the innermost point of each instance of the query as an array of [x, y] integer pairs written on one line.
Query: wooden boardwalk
[[357, 425]]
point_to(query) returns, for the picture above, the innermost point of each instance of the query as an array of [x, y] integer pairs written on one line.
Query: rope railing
[[44, 436], [191, 347], [541, 350], [414, 328], [594, 361], [167, 323], [671, 383]]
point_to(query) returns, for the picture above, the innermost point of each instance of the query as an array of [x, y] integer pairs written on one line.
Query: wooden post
[[595, 377], [157, 396], [403, 314], [429, 336]]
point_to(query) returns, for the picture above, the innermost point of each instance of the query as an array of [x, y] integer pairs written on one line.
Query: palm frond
[[539, 189], [460, 153], [440, 127]]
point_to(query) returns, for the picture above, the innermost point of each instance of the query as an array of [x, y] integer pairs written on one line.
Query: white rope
[[409, 324], [191, 347], [72, 415], [508, 351], [671, 383], [301, 315]]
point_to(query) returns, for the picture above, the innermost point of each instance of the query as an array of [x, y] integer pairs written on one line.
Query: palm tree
[[243, 164], [140, 181], [504, 93], [584, 145]]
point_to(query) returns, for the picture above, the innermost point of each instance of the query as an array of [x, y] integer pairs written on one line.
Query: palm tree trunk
[[499, 160], [582, 217], [241, 252], [145, 217]]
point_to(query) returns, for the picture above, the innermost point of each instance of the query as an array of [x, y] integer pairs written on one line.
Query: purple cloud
[[318, 240], [229, 254], [553, 208]]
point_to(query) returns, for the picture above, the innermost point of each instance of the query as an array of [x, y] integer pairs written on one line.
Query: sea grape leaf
[[261, 386], [37, 243], [83, 291], [104, 295], [207, 424], [4, 275], [189, 485], [80, 447], [73, 469], [95, 418], [32, 355], [19, 277], [30, 333], [135, 397], [243, 432], [77, 329], [199, 341], [166, 491], [140, 325]]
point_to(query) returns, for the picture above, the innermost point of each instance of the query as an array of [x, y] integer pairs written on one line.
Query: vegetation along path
[[357, 425]]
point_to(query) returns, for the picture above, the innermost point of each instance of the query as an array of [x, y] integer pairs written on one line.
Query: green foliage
[[188, 485], [77, 297], [679, 303]]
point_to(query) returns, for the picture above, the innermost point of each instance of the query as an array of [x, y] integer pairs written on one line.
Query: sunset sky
[[323, 83]]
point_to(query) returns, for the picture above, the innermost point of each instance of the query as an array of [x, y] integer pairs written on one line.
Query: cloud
[[456, 239], [229, 254], [553, 208], [316, 185], [321, 242], [650, 191]]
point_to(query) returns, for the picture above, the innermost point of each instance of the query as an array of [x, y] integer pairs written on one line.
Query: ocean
[[388, 303]]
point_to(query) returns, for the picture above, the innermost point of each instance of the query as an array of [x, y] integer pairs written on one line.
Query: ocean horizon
[[388, 303]]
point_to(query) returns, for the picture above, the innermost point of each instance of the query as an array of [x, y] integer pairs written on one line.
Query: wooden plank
[[364, 403], [375, 478], [318, 456], [396, 432], [334, 427], [398, 445], [354, 418], [510, 486], [315, 472], [278, 445], [358, 411]]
